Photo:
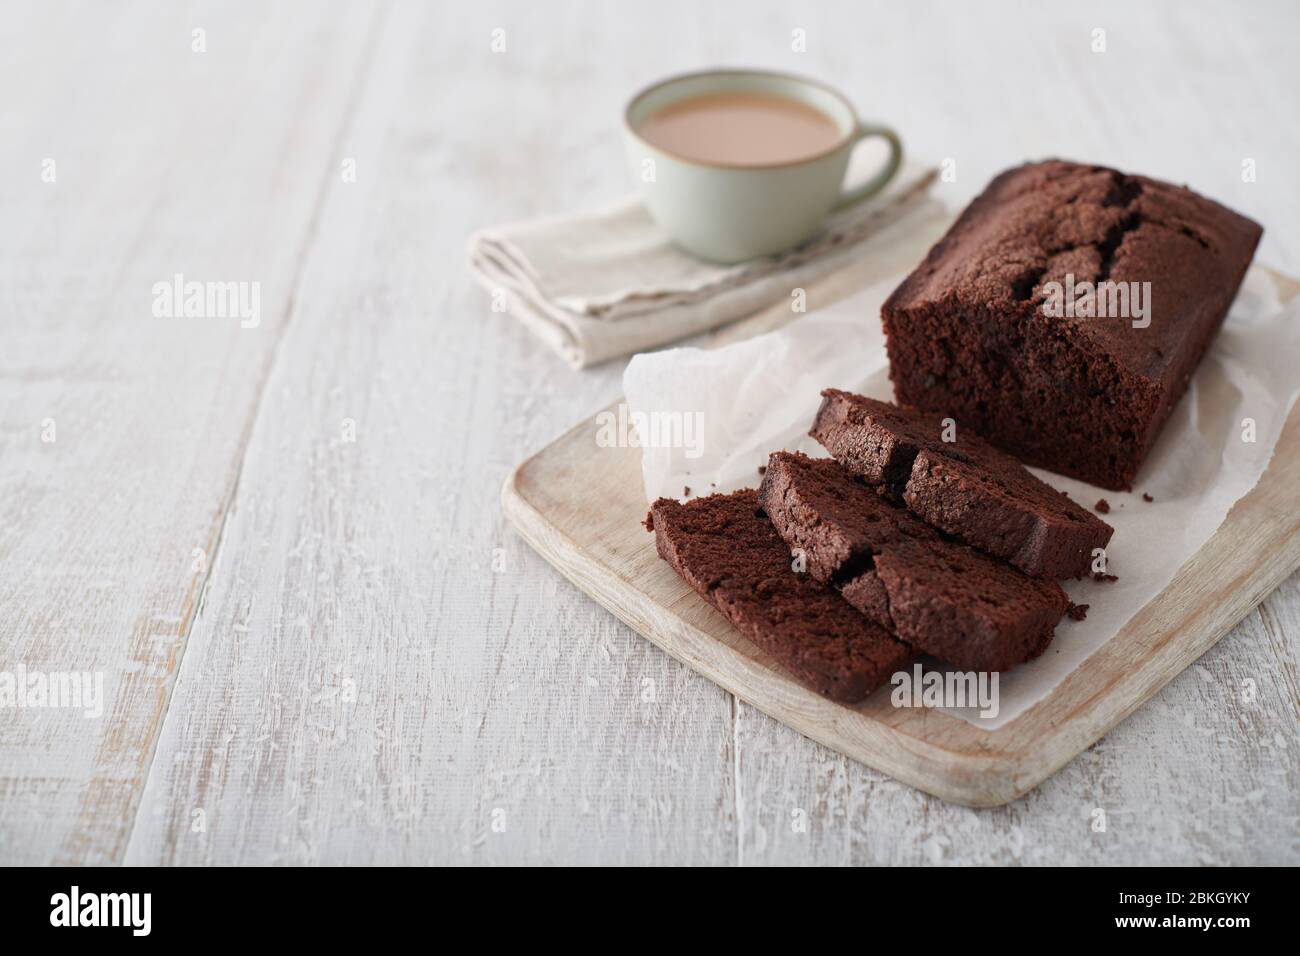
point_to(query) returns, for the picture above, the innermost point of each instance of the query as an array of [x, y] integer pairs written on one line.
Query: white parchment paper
[[760, 395]]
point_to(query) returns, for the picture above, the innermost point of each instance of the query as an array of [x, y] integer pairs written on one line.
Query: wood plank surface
[[123, 432], [410, 682], [362, 570]]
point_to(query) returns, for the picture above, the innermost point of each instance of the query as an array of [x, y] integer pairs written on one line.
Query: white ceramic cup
[[732, 213]]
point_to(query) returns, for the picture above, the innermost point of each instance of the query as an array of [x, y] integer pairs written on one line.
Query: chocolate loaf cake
[[966, 487], [941, 597], [997, 327], [725, 548]]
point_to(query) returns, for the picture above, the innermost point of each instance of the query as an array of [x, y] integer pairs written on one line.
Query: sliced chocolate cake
[[942, 597], [725, 548], [964, 487]]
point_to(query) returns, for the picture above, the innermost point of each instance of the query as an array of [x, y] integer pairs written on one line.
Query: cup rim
[[846, 138]]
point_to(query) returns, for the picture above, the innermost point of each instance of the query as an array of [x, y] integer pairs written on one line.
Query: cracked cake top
[[1035, 224]]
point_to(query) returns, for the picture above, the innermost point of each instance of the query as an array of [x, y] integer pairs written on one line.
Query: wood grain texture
[[478, 691], [381, 672], [1201, 775], [165, 161]]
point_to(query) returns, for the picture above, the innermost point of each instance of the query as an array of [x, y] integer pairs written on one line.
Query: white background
[[340, 675]]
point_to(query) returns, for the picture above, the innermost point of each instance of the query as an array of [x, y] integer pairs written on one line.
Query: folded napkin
[[598, 285]]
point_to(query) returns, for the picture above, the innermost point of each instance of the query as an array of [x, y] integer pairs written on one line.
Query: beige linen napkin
[[599, 285]]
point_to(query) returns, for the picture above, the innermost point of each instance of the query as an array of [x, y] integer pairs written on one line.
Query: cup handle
[[878, 181]]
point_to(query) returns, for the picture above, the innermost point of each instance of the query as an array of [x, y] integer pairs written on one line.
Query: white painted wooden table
[[326, 650]]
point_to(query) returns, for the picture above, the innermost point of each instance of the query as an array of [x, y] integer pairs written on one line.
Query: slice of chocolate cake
[[942, 597], [964, 487], [725, 548]]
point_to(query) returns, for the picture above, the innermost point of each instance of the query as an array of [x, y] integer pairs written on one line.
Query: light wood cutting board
[[581, 506]]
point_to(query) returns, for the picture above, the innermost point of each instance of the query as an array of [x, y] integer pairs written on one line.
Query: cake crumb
[[686, 491], [762, 469], [1147, 497], [1077, 612], [1102, 506], [649, 521], [1103, 576]]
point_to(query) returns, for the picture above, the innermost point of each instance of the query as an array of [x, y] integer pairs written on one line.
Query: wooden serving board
[[581, 506]]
